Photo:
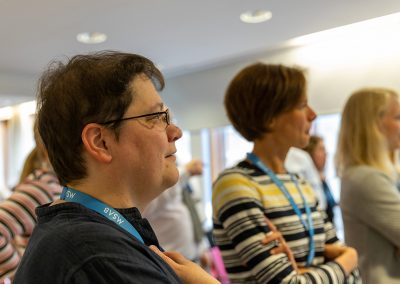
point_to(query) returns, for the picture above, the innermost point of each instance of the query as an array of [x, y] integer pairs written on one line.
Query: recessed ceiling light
[[91, 38], [254, 17]]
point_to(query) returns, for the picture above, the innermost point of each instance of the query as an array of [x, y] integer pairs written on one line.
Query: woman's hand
[[188, 271], [332, 251], [275, 235], [346, 257]]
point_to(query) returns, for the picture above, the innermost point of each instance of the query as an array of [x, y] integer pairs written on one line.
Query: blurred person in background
[[38, 185], [299, 162], [370, 199], [316, 150], [177, 228]]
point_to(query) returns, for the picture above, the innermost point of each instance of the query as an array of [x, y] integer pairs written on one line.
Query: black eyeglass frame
[[165, 112]]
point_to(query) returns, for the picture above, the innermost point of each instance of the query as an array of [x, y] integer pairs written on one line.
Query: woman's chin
[[172, 178]]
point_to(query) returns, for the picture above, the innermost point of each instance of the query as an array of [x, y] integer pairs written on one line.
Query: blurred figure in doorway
[[174, 218], [316, 149], [299, 162]]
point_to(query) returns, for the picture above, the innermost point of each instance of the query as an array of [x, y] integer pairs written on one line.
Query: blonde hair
[[361, 141]]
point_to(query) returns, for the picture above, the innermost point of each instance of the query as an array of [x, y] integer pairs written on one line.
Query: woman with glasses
[[267, 104], [112, 145], [370, 198]]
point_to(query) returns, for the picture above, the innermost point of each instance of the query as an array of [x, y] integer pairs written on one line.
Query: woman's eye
[[154, 117], [302, 105]]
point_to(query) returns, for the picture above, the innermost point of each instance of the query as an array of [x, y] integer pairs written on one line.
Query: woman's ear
[[271, 124], [96, 140]]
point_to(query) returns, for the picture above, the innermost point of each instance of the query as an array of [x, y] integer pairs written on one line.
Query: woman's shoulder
[[232, 177], [363, 172], [233, 184], [365, 179], [242, 171]]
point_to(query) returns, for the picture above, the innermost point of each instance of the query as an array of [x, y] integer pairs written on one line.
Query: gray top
[[370, 203]]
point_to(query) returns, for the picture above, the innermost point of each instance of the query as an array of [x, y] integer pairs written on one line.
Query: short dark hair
[[88, 88], [260, 92]]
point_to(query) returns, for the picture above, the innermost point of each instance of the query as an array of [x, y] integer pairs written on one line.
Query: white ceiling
[[180, 35]]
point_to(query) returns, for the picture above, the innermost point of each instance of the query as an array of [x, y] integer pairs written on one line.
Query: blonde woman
[[370, 200]]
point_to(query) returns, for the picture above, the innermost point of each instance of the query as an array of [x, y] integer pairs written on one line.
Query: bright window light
[[386, 26], [6, 113], [27, 108], [358, 44]]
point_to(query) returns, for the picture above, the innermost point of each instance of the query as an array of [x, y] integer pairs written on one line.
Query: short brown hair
[[88, 88], [259, 93]]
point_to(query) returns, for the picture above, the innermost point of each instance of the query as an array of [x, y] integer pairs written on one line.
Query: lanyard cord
[[308, 225], [72, 195]]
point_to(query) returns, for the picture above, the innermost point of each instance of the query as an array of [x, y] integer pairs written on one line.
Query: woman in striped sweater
[[38, 185], [267, 104]]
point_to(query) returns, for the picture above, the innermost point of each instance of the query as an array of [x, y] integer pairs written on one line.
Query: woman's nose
[[311, 114], [174, 132]]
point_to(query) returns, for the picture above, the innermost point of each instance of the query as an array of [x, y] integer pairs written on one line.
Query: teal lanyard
[[308, 226], [72, 195]]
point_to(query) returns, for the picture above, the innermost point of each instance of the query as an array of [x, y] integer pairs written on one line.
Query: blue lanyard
[[72, 195], [308, 226]]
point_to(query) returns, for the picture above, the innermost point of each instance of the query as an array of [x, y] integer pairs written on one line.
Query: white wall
[[16, 88], [338, 62]]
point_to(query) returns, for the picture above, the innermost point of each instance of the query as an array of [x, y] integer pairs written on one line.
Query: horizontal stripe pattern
[[18, 218], [242, 197]]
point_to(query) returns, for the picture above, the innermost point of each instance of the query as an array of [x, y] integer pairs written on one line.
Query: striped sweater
[[242, 197], [18, 218]]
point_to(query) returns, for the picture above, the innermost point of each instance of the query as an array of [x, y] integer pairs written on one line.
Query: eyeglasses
[[159, 119]]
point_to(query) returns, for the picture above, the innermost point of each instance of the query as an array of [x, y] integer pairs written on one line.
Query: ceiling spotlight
[[91, 38], [254, 17]]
